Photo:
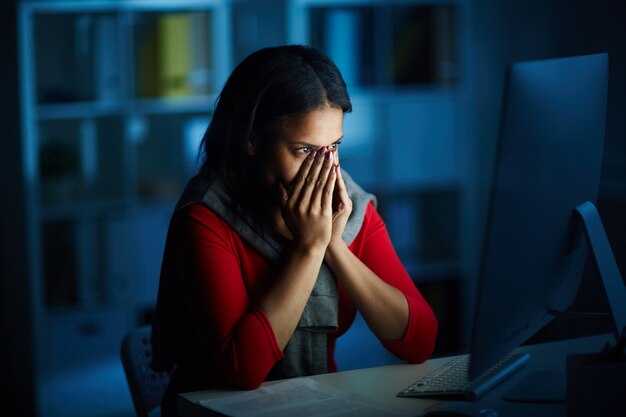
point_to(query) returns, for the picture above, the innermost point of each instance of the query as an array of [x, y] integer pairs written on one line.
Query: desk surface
[[384, 382]]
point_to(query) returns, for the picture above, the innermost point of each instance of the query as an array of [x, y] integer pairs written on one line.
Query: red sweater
[[226, 338]]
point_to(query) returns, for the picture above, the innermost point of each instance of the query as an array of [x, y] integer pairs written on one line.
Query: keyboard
[[450, 380]]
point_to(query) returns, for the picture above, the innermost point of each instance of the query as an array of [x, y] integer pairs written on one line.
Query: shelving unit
[[404, 141], [115, 98]]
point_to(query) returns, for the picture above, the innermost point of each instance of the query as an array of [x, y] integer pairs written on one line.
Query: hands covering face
[[307, 204]]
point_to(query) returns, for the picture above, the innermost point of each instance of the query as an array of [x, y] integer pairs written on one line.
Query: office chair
[[146, 386]]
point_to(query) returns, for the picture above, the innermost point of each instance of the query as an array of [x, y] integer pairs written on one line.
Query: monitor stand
[[607, 267], [549, 387]]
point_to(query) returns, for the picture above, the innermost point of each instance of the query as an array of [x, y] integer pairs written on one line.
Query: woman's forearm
[[284, 301], [384, 307]]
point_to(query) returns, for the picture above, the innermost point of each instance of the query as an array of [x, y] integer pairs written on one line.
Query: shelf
[[368, 3], [81, 160], [79, 110], [92, 6], [166, 155], [390, 44], [93, 209], [95, 109], [197, 104], [70, 211], [424, 228]]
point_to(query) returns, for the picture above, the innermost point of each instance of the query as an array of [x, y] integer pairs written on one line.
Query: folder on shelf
[[175, 49], [147, 65], [175, 57], [200, 76], [107, 76]]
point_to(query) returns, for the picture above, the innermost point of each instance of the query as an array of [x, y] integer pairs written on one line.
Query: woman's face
[[300, 136]]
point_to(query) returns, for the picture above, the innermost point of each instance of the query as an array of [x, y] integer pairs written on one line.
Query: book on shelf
[[106, 68], [343, 42], [175, 49], [175, 57], [200, 76]]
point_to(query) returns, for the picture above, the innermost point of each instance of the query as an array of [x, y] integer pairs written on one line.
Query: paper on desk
[[300, 397]]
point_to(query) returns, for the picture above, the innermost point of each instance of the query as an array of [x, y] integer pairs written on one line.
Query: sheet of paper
[[300, 397]]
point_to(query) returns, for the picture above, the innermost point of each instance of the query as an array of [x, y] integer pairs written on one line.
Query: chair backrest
[[146, 386]]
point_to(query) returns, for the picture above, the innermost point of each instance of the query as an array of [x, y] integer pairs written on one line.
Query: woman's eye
[[304, 149], [335, 145]]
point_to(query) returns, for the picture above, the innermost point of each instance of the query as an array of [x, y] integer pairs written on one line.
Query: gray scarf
[[306, 352]]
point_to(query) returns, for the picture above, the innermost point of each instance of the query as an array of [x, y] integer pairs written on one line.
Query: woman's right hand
[[307, 203]]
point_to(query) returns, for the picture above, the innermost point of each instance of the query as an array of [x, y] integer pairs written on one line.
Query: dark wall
[[16, 355]]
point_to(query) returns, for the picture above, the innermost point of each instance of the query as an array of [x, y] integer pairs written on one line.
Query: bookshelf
[[116, 95], [112, 115], [403, 63]]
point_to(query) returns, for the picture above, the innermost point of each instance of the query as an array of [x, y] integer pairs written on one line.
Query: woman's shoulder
[[199, 212], [199, 217], [372, 217], [372, 223]]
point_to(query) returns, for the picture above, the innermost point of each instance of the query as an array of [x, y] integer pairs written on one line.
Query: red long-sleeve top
[[226, 339]]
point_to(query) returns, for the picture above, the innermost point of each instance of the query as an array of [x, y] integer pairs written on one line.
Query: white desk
[[383, 383]]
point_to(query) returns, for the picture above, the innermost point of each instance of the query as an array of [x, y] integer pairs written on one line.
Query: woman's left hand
[[342, 207]]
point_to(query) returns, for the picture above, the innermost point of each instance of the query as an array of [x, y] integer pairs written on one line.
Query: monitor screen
[[548, 161]]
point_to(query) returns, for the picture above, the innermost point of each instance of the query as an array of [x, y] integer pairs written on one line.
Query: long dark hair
[[267, 88]]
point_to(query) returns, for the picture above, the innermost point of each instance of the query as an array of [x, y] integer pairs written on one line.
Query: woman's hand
[[342, 207], [307, 207]]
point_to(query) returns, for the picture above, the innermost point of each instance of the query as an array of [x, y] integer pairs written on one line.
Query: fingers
[[329, 189], [323, 179], [341, 186], [341, 191], [299, 182], [310, 180], [283, 195]]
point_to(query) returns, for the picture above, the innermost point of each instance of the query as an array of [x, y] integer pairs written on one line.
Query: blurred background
[[104, 104]]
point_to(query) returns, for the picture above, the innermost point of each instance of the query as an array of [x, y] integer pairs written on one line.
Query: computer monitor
[[548, 162]]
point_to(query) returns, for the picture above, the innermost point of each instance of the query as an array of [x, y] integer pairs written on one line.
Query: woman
[[272, 247]]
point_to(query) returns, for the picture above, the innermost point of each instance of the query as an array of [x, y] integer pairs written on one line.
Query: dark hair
[[267, 88]]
